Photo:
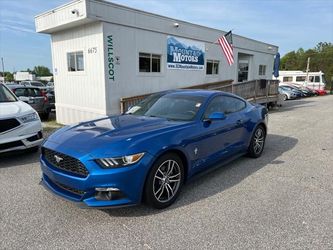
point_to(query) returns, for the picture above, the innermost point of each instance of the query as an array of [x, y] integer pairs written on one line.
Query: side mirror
[[216, 116]]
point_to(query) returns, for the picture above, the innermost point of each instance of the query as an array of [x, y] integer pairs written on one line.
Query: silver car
[[287, 94]]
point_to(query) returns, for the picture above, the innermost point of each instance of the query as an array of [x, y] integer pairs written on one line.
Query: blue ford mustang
[[152, 150]]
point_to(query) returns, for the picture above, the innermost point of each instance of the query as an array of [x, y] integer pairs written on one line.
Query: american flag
[[226, 45]]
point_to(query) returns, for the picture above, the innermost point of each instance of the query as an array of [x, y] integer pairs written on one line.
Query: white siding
[[128, 42], [79, 95], [62, 17]]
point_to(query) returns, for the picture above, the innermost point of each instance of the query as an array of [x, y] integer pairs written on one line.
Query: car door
[[217, 139], [23, 94]]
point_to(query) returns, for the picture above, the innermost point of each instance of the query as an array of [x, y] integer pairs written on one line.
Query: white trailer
[[316, 80]]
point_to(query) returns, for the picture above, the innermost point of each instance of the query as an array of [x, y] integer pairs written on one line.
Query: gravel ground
[[282, 200]]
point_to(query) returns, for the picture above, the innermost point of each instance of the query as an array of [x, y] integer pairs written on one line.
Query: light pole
[[3, 70]]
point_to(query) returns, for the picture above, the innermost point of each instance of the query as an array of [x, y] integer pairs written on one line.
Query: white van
[[316, 79], [20, 125]]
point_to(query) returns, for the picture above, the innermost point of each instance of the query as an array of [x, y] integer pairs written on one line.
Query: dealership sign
[[185, 54]]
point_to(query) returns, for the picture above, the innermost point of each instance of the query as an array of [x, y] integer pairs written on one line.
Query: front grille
[[65, 162], [69, 189], [12, 144], [8, 124]]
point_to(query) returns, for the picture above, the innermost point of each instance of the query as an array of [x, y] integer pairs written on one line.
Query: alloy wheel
[[166, 181], [258, 140]]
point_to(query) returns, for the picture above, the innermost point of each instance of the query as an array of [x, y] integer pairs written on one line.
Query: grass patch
[[51, 125]]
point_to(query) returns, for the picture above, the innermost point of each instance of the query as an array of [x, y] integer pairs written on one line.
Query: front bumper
[[27, 135], [82, 190]]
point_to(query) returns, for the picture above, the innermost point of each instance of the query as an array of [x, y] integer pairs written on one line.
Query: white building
[[23, 76], [103, 51]]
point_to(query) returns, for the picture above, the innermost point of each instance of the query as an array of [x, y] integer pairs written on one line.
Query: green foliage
[[9, 77], [42, 71], [321, 60]]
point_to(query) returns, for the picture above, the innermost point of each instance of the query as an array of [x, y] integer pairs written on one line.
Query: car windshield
[[177, 107], [6, 95]]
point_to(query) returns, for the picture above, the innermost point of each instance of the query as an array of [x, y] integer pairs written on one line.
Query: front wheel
[[257, 142], [164, 181]]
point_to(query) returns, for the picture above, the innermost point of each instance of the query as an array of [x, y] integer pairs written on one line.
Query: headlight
[[117, 162], [29, 117]]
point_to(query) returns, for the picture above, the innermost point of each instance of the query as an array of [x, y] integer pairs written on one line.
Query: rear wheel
[[257, 142], [164, 181]]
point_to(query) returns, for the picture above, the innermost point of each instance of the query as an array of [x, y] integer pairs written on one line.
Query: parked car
[[152, 150], [306, 92], [287, 94], [320, 92], [50, 84], [297, 92], [32, 83], [20, 126], [35, 97]]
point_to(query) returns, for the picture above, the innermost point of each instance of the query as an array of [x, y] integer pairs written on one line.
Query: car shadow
[[16, 158], [220, 179], [294, 104]]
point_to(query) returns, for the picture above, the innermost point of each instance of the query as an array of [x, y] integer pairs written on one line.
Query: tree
[[42, 71], [9, 77]]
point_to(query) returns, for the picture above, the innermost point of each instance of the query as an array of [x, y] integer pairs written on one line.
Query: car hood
[[117, 134], [14, 109]]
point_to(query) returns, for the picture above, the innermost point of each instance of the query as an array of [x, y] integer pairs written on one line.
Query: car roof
[[199, 92], [16, 86]]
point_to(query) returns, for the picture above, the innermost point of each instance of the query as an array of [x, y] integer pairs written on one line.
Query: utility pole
[[307, 71], [3, 70]]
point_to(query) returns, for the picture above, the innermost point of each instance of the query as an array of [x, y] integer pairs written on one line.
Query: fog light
[[106, 194]]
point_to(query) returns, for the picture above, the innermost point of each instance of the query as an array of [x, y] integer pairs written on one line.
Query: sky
[[289, 24]]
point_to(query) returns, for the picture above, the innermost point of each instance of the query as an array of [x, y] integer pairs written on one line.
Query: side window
[[287, 79], [232, 104], [300, 78], [214, 106], [317, 79], [19, 92], [225, 104], [31, 92]]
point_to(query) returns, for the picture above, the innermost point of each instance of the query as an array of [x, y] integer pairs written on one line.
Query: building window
[[75, 61], [243, 70], [262, 70], [149, 62], [287, 79], [212, 67]]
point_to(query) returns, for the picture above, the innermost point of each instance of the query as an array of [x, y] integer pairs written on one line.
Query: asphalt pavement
[[283, 200]]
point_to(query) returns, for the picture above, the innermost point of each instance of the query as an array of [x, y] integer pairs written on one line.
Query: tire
[[257, 143], [164, 181], [285, 97]]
